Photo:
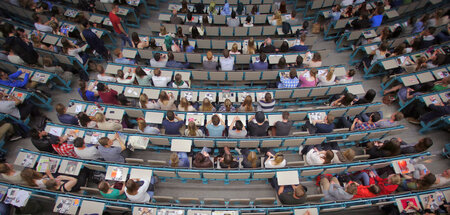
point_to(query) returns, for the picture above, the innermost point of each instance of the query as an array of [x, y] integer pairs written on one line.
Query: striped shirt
[[266, 106]]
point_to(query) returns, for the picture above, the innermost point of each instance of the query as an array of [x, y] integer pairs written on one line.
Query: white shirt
[[9, 107], [44, 28], [313, 157], [248, 25], [227, 64], [443, 180], [160, 81], [268, 163], [155, 63], [74, 52], [106, 78], [125, 79], [141, 196]]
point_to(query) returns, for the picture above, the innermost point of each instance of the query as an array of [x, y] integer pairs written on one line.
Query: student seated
[[387, 148], [43, 141], [289, 81], [267, 104], [283, 127], [109, 152], [64, 117], [139, 190], [274, 160], [110, 125], [109, 192], [193, 131], [261, 64], [179, 159], [237, 129], [333, 191], [35, 179], [250, 159], [159, 80], [387, 185], [292, 195], [146, 129], [320, 126], [227, 160], [258, 125], [421, 146], [63, 183], [348, 78], [315, 156], [215, 126], [9, 174], [202, 160], [171, 126], [85, 151], [366, 191], [178, 82], [63, 147]]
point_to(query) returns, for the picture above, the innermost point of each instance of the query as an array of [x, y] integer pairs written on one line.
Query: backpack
[[199, 8], [240, 8], [286, 28]]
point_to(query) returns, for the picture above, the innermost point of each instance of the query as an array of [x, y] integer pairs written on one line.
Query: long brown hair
[[163, 96], [248, 104], [206, 106], [184, 103], [252, 158], [330, 73], [228, 105], [143, 100], [82, 85], [29, 175], [192, 128]]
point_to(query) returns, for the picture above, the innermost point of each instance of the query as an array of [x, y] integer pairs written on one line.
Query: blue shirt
[[324, 128], [184, 160], [89, 95], [172, 128], [175, 64], [124, 61], [259, 66], [111, 154], [288, 82], [189, 49], [376, 20], [12, 82], [68, 119], [215, 131], [299, 48]]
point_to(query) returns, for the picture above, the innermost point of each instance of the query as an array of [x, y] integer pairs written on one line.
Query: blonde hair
[[141, 124], [143, 100], [248, 104], [206, 106], [251, 48], [349, 154], [252, 158], [279, 158], [99, 117], [163, 30], [184, 103], [330, 73], [192, 129], [234, 48], [174, 159], [277, 17]]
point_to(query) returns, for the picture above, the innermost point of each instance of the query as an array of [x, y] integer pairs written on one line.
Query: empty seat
[[264, 201], [189, 175], [189, 201], [134, 160], [238, 175], [159, 141], [260, 175], [117, 208], [314, 197], [295, 163], [163, 199], [157, 163], [239, 202], [214, 175], [95, 167], [168, 174], [214, 201]]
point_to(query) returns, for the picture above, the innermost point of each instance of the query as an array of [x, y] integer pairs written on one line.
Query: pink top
[[306, 83]]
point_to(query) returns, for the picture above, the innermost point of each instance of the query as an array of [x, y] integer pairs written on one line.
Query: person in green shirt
[[110, 192], [441, 85]]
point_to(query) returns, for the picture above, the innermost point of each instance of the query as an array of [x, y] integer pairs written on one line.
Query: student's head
[[83, 119], [132, 186], [383, 47], [99, 117], [349, 154], [78, 142], [284, 46], [206, 105], [105, 141], [178, 78], [192, 128], [233, 14], [228, 104], [282, 63], [209, 55], [226, 53], [234, 48], [348, 98], [60, 109], [101, 87], [143, 100], [329, 155], [162, 30], [299, 60], [262, 57], [170, 115], [135, 37], [268, 97], [423, 144], [170, 56], [215, 120], [285, 115], [5, 168], [426, 181], [36, 17], [330, 74], [163, 96], [157, 56], [279, 158], [292, 73], [375, 189], [248, 20], [254, 9], [140, 72], [157, 72], [394, 179], [184, 103], [351, 188], [351, 72], [375, 117], [253, 159], [103, 186], [299, 191], [397, 116], [316, 57], [313, 72], [30, 175], [174, 160], [115, 8], [239, 125], [51, 184], [227, 159], [259, 117], [248, 103], [370, 95], [330, 118]]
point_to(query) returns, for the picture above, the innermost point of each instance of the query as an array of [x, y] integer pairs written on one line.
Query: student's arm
[[145, 186], [354, 124], [16, 74], [71, 182], [280, 190], [122, 144]]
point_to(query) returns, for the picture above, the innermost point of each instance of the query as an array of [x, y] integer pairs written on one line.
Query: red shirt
[[363, 192], [385, 188], [65, 149], [115, 20], [109, 97]]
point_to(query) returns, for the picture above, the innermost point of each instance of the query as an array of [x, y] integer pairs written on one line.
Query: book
[[402, 167], [17, 197], [144, 211], [138, 142], [316, 116], [29, 160], [57, 131], [116, 174], [66, 204], [71, 167], [170, 212], [3, 191], [47, 163], [434, 200], [404, 203]]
